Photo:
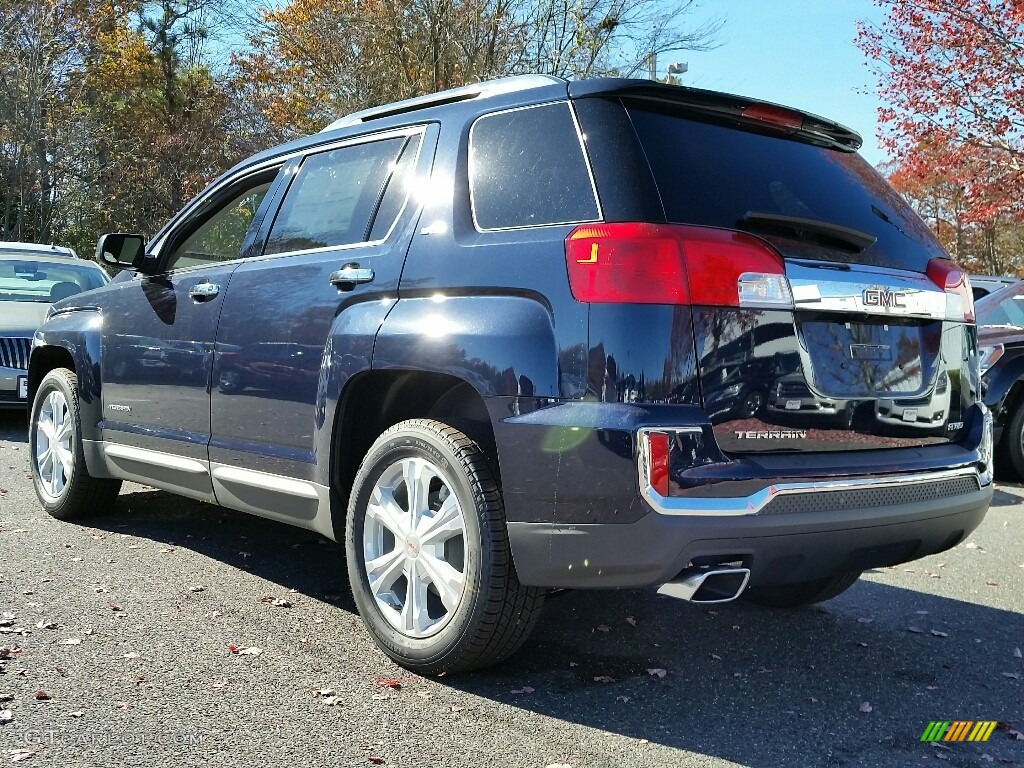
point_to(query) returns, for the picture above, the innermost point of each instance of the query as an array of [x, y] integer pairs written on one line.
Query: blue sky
[[796, 52]]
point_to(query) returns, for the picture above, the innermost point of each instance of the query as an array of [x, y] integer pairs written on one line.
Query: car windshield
[[45, 281], [1004, 307]]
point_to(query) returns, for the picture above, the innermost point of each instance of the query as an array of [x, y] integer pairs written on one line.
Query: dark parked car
[[983, 285], [516, 291], [1001, 339], [31, 278]]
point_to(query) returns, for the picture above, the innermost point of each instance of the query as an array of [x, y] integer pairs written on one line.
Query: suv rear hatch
[[826, 316]]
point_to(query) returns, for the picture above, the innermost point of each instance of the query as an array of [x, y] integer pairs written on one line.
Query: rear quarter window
[[527, 169], [714, 174]]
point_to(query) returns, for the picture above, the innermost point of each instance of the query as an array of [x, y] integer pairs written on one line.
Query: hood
[[21, 318], [990, 335]]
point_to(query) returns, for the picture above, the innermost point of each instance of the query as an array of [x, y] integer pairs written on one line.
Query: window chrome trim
[[741, 506], [586, 163]]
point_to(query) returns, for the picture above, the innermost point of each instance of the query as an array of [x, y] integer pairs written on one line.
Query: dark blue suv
[[535, 334]]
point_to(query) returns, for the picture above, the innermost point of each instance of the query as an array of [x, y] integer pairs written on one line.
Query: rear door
[[301, 316], [877, 352]]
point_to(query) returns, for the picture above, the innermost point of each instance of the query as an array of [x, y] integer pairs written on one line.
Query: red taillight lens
[[954, 281], [657, 461], [626, 263], [638, 263]]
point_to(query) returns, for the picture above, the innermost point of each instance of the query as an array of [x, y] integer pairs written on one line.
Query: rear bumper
[[777, 548]]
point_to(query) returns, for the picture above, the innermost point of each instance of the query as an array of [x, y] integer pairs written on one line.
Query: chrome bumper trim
[[735, 506]]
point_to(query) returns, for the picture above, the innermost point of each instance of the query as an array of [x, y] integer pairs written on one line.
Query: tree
[[313, 60], [951, 74]]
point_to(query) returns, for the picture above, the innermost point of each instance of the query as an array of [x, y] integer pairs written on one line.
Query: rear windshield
[[713, 174]]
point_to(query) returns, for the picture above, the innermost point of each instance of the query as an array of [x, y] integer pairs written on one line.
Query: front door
[[158, 339]]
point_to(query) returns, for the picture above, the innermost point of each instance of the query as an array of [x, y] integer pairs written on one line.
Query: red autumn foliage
[[952, 81]]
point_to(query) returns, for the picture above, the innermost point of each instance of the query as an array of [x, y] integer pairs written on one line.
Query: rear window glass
[[712, 174], [527, 169]]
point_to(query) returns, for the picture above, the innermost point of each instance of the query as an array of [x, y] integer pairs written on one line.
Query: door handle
[[204, 291], [349, 275]]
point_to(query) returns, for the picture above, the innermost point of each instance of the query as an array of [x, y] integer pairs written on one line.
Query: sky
[[799, 53]]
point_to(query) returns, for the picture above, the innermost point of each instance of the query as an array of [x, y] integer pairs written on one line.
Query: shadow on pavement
[[758, 687]]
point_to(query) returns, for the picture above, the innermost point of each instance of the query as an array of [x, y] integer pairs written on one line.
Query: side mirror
[[119, 249]]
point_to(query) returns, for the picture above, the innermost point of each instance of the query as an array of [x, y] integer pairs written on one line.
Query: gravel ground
[[125, 623]]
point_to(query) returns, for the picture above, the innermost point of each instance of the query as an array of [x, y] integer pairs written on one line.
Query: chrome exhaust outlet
[[716, 584]]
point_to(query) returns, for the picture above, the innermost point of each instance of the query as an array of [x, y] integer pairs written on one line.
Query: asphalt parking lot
[[126, 626]]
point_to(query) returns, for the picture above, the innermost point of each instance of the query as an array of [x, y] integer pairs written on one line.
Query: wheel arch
[[374, 400]]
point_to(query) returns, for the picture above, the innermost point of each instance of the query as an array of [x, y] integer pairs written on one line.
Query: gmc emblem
[[879, 297]]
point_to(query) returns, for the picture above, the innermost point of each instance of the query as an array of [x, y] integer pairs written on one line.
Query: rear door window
[[715, 174], [335, 196], [527, 169]]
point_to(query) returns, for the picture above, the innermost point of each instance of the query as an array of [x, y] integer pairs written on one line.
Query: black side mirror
[[119, 249]]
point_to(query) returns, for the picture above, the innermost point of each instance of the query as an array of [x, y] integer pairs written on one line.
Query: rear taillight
[[953, 280], [638, 263]]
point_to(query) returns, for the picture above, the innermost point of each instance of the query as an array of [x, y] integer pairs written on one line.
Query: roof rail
[[451, 96]]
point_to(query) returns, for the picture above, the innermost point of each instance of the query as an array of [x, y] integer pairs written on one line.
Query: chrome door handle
[[350, 275], [203, 291]]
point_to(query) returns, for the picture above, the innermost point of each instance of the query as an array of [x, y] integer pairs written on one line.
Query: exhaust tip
[[717, 584]]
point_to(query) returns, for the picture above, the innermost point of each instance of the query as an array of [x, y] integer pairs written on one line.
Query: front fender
[[75, 334]]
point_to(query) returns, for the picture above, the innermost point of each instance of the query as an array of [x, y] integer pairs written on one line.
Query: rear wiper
[[806, 229]]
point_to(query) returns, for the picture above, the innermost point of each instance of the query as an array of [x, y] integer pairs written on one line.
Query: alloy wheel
[[414, 542], [54, 454]]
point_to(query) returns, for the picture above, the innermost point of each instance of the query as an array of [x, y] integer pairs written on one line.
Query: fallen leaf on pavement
[[331, 700], [250, 651], [1012, 675], [991, 583], [17, 755], [76, 714], [864, 620], [42, 696], [196, 588], [232, 649], [631, 621], [115, 607], [865, 707], [915, 630], [326, 692], [716, 657], [603, 628], [657, 672], [1016, 735], [6, 715], [524, 689], [46, 624], [1017, 653], [376, 760], [133, 655], [604, 679], [280, 602], [937, 633], [623, 699], [72, 641], [386, 682], [455, 708], [971, 545]]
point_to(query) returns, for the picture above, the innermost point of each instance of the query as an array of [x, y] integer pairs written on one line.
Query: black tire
[[1010, 451], [79, 493], [802, 593], [495, 613], [752, 404]]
